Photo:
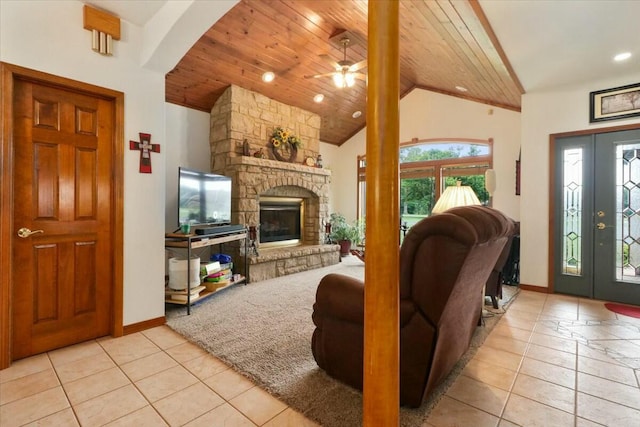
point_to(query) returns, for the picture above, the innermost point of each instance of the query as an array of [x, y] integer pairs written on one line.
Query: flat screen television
[[203, 198]]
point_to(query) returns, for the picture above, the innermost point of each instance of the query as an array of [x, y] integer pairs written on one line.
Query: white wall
[[330, 156], [425, 114], [543, 114], [48, 36], [187, 134]]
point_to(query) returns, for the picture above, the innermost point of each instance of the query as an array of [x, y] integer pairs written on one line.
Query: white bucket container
[[178, 273]]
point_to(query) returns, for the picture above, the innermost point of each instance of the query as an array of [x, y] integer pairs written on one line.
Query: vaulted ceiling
[[444, 45]]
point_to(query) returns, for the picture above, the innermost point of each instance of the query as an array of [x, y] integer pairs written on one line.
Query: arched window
[[428, 166]]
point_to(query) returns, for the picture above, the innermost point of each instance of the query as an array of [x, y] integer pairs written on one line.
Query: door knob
[[600, 214], [24, 232], [601, 226]]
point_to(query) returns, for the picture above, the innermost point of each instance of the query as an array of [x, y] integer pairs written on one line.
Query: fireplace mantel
[[277, 165]]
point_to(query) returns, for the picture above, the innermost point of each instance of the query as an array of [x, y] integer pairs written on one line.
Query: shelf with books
[[200, 292], [193, 294]]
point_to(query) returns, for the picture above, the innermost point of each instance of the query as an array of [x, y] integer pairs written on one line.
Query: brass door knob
[[24, 232], [601, 226]]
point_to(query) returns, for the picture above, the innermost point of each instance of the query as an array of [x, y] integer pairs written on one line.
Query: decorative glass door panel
[[628, 213], [616, 222], [572, 209], [573, 192], [597, 216]]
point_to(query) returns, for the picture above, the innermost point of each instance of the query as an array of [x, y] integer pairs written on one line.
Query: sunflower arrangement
[[280, 137]]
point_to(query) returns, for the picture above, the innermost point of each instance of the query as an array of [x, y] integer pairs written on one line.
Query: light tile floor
[[552, 360]]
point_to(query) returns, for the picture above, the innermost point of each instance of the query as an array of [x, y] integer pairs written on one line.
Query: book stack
[[209, 268], [181, 296], [220, 278]]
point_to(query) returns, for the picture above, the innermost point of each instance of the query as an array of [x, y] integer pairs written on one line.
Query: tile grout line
[[132, 383], [180, 363], [64, 390], [227, 401], [515, 378]]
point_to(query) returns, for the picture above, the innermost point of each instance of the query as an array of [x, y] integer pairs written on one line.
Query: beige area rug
[[263, 330]]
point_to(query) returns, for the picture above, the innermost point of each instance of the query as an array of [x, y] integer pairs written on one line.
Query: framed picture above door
[[613, 104]]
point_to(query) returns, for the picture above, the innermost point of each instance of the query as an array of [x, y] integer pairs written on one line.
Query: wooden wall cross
[[146, 148]]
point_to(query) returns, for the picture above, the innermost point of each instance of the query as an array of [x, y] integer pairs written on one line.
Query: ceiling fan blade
[[360, 76], [331, 61], [358, 65], [315, 76]]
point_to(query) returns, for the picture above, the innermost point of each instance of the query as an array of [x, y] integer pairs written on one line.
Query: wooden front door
[[63, 219]]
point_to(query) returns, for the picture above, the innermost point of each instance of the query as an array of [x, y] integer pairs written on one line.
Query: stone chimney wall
[[241, 114]]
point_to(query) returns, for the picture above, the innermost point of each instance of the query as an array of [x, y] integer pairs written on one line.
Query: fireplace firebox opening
[[281, 221]]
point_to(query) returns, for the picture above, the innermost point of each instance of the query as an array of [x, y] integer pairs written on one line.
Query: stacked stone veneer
[[240, 115]]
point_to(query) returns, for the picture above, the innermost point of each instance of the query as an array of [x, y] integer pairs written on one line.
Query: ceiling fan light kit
[[346, 71], [344, 79]]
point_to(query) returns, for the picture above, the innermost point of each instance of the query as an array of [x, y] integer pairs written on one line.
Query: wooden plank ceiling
[[443, 44]]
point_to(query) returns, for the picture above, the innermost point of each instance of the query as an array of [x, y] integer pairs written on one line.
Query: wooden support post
[[381, 309]]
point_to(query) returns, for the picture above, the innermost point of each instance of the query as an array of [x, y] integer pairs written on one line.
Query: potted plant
[[343, 233]]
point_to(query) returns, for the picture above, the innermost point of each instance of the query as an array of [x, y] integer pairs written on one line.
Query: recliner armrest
[[340, 297]]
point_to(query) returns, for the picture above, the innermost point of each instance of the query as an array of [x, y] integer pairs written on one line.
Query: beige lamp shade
[[453, 196]]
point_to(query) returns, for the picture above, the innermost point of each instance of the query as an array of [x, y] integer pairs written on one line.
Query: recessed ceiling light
[[622, 56], [318, 98], [462, 88], [356, 114], [268, 77]]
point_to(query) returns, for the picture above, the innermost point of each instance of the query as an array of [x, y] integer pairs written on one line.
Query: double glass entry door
[[597, 216]]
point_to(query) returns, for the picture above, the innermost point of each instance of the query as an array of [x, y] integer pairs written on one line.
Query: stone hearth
[[278, 262], [241, 115]]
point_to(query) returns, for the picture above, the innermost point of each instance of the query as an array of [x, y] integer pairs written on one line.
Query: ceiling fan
[[346, 70]]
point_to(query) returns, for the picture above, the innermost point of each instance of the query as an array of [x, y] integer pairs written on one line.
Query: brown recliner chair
[[445, 261], [493, 287]]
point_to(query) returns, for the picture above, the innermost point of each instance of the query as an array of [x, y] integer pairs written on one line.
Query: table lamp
[[455, 195]]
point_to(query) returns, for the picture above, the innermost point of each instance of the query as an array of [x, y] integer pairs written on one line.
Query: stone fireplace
[[281, 221], [287, 201]]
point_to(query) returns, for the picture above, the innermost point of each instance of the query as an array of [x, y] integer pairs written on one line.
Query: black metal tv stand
[[195, 241]]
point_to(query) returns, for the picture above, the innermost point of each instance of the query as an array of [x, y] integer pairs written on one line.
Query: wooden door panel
[[63, 148], [86, 192], [46, 114], [45, 185], [45, 289], [85, 279], [86, 121]]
